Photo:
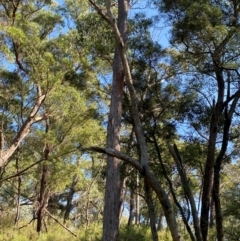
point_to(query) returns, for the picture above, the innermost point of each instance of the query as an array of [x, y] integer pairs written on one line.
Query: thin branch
[[22, 171], [50, 215], [27, 224]]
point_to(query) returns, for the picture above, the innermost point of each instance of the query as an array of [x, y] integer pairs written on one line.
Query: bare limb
[[50, 215]]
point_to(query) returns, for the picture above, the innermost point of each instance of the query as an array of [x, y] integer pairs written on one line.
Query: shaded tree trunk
[[71, 193], [131, 208], [211, 183], [19, 181], [148, 196], [137, 217], [212, 214], [219, 161], [188, 194], [43, 198], [217, 110], [44, 192]]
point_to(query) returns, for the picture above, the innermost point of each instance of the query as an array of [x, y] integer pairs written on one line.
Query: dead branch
[[50, 215]]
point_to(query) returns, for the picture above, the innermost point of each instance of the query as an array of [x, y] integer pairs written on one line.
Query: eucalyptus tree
[[47, 97], [206, 34], [119, 28]]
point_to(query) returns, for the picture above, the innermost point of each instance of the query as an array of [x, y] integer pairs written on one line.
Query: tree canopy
[[105, 134]]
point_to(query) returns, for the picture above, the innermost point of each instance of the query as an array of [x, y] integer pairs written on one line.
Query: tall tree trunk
[[211, 185], [131, 208], [43, 198], [154, 184], [113, 182], [208, 182], [119, 29], [148, 196], [217, 110], [44, 192], [212, 214], [19, 181], [71, 193], [217, 167], [113, 190], [137, 217], [122, 197]]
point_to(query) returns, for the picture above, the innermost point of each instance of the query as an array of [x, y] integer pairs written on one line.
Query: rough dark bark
[[217, 110], [188, 193], [212, 214], [219, 161], [113, 190], [153, 183], [137, 216], [19, 181], [71, 193], [211, 183], [120, 35], [44, 192], [43, 199], [185, 221]]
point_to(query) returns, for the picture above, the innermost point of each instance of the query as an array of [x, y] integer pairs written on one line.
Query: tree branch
[[50, 215], [152, 182]]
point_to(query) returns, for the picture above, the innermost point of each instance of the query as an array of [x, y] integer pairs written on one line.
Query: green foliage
[[134, 233], [65, 52], [92, 233]]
